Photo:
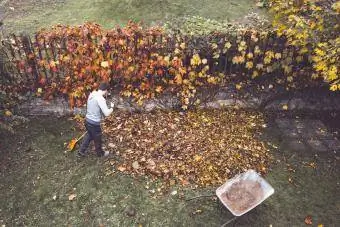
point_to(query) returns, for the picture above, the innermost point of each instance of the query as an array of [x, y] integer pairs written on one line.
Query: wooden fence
[[34, 57]]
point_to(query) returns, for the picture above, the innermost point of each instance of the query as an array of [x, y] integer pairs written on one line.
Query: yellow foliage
[[238, 59], [195, 60], [227, 45], [249, 65], [255, 74], [336, 6]]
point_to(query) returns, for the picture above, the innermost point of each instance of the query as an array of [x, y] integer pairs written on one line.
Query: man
[[96, 106]]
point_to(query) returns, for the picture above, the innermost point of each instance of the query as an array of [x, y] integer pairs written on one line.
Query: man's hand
[[112, 105]]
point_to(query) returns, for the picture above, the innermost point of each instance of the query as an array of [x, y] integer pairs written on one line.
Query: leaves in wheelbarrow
[[201, 147]]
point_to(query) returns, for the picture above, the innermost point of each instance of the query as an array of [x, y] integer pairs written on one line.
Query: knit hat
[[103, 86]]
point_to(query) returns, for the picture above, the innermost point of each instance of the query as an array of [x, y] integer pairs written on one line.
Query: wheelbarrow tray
[[250, 175]]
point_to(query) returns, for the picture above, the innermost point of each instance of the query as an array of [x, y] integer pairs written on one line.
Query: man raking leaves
[[96, 107]]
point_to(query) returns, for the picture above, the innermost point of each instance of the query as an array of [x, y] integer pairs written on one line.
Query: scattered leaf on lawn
[[197, 212], [8, 113], [121, 168], [308, 220], [135, 165], [72, 197]]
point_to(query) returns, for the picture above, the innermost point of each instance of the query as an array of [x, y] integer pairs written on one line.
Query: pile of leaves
[[201, 148]]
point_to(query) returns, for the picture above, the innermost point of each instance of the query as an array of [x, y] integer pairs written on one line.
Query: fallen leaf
[[135, 165], [72, 197], [111, 145], [121, 168], [197, 158], [197, 212], [308, 220], [8, 113], [104, 64], [174, 192]]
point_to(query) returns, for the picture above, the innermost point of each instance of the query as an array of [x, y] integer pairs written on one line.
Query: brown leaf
[[121, 168], [308, 220], [72, 197]]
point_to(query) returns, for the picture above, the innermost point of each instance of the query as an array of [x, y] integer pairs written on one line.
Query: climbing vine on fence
[[146, 62], [312, 27]]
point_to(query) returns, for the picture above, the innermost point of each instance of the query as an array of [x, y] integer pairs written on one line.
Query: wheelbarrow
[[243, 193]]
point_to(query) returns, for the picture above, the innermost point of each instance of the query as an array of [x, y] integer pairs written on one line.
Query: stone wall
[[223, 98]]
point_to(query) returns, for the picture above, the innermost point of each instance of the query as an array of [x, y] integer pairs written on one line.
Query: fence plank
[[20, 57], [48, 57], [40, 55]]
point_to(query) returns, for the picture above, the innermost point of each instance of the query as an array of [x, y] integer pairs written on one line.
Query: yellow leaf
[[216, 56], [182, 45], [332, 73], [197, 158], [249, 65], [159, 89], [285, 107], [320, 52], [178, 79], [227, 45], [104, 64], [257, 50], [204, 61], [267, 60], [238, 59], [278, 56], [238, 86], [195, 60], [255, 74], [167, 59], [334, 87], [321, 66], [303, 50], [214, 46], [336, 6], [270, 54], [8, 113], [40, 90]]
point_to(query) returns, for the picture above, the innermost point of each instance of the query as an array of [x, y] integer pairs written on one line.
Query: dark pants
[[94, 132]]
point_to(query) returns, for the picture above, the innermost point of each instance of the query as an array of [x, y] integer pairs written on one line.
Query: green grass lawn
[[28, 16], [37, 178]]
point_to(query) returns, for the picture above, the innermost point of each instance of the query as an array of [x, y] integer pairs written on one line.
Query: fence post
[[29, 52]]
